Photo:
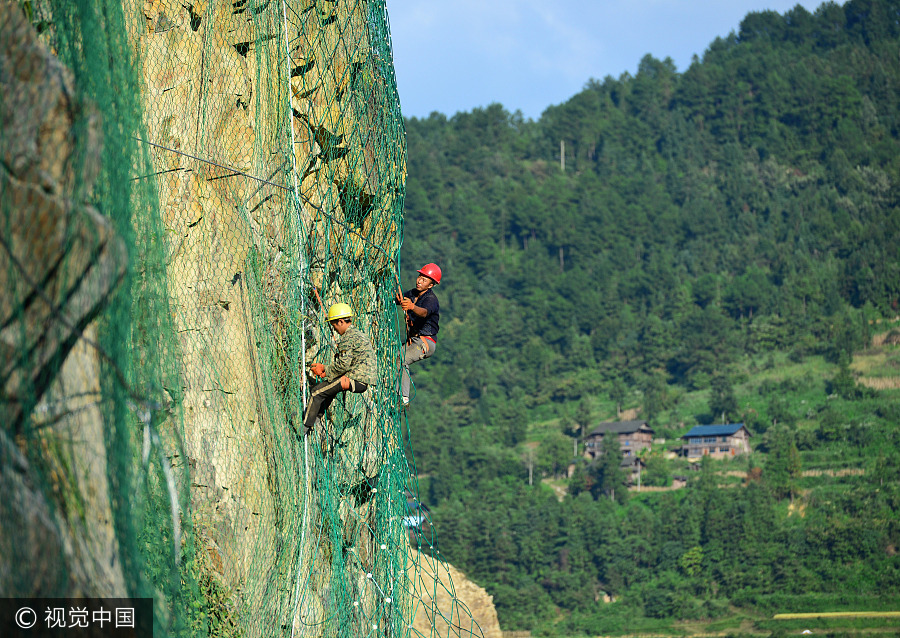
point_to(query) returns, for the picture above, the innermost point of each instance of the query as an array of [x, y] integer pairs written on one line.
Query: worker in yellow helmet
[[353, 368]]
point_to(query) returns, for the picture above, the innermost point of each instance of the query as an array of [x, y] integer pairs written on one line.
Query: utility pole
[[530, 458], [562, 155]]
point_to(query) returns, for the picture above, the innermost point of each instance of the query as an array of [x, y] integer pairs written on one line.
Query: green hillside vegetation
[[723, 244]]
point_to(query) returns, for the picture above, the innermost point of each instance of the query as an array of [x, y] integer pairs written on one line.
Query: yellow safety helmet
[[339, 311]]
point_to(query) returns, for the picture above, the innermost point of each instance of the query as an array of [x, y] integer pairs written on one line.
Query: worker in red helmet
[[423, 313]]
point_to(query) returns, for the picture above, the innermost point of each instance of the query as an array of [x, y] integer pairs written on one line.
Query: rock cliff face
[[261, 120], [59, 262]]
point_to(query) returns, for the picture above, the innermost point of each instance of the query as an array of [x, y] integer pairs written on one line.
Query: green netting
[[185, 189]]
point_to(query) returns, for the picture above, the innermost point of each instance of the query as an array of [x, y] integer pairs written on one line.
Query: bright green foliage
[[608, 478], [783, 464], [721, 240], [691, 561], [555, 454], [726, 209]]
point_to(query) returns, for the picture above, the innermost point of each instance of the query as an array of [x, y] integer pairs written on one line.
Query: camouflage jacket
[[354, 357]]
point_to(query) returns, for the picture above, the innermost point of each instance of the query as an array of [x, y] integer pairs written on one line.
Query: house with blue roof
[[718, 441]]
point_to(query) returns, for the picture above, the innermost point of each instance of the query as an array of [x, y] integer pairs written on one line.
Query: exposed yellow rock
[[219, 87], [446, 603]]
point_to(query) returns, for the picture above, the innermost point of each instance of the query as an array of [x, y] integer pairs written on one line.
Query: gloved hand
[[317, 369], [345, 383]]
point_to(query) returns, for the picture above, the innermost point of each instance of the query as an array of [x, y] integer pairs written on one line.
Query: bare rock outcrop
[[60, 260], [447, 603]]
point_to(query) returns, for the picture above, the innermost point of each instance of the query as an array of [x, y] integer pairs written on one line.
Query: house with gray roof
[[634, 436], [718, 441]]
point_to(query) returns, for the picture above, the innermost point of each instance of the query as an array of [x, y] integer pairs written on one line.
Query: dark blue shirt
[[426, 326]]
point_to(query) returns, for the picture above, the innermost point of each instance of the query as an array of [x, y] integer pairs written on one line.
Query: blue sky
[[455, 55]]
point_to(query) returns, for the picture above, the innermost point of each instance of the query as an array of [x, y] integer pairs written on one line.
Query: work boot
[[315, 425]]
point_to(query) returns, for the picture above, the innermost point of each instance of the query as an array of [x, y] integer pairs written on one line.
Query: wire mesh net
[[185, 189]]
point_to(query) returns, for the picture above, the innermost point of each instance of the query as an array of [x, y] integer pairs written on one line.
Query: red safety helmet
[[432, 271]]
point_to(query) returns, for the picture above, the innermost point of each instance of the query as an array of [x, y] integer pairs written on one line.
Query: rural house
[[718, 441], [633, 437]]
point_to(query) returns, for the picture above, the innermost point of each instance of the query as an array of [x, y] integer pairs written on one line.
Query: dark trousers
[[323, 394]]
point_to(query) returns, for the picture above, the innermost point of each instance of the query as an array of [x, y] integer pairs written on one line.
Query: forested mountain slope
[[729, 236]]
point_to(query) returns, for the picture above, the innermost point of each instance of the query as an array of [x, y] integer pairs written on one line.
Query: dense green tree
[[657, 473], [608, 476], [656, 395], [844, 385], [554, 455], [722, 402], [781, 411], [783, 467], [617, 392], [707, 223]]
